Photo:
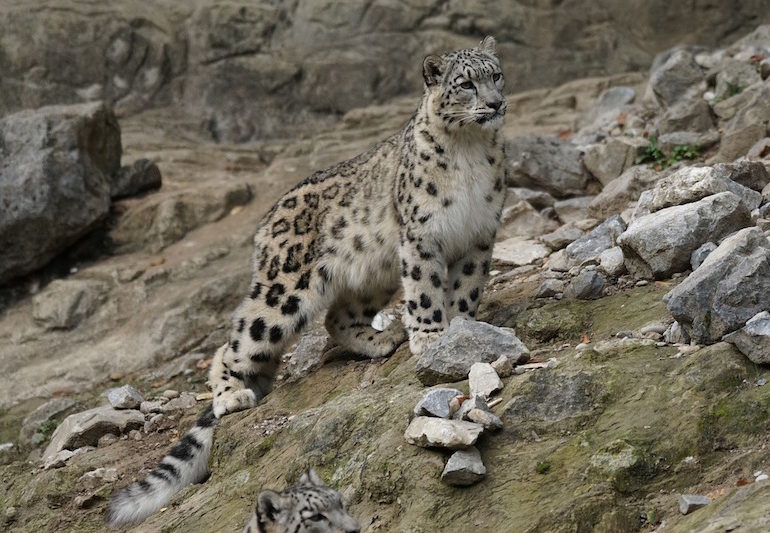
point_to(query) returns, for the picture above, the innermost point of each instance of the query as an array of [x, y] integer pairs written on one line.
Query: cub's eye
[[496, 76], [467, 85], [318, 517]]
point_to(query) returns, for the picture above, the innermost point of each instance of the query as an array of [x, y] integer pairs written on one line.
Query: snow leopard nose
[[495, 105]]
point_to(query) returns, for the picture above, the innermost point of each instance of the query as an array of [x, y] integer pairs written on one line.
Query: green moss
[[731, 420], [543, 467]]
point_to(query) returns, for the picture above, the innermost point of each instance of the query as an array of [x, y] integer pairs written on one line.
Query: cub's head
[[465, 87], [308, 507]]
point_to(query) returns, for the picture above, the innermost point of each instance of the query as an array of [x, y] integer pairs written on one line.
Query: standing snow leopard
[[418, 211], [308, 507]]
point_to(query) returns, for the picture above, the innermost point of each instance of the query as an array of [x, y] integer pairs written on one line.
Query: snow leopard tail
[[185, 464]]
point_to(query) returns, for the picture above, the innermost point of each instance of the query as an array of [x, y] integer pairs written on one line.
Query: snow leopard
[[418, 211], [308, 507]]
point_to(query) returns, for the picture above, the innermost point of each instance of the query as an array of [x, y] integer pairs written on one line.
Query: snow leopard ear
[[269, 505], [433, 70], [488, 45], [311, 478]]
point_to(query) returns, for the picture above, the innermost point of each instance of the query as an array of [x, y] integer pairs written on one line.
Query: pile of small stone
[[446, 418], [127, 414]]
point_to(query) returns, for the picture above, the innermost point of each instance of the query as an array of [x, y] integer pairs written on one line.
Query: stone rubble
[[464, 468], [436, 402], [483, 380], [428, 432], [125, 397], [692, 502]]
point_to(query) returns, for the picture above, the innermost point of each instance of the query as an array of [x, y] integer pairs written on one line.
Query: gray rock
[[519, 251], [691, 114], [606, 107], [483, 380], [308, 356], [153, 406], [125, 397], [564, 235], [759, 150], [85, 428], [98, 477], [674, 334], [54, 180], [690, 184], [475, 409], [523, 220], [141, 176], [158, 422], [550, 288], [587, 285], [609, 160], [464, 468], [733, 77], [611, 261], [545, 163], [617, 194], [660, 244], [753, 339], [698, 139], [429, 432], [700, 255], [590, 246], [435, 402], [65, 303], [503, 365], [573, 209], [184, 402], [751, 174], [537, 199], [42, 414], [464, 343], [675, 78], [729, 288], [691, 502], [748, 125]]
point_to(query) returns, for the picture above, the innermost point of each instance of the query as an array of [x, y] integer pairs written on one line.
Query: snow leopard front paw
[[420, 340], [231, 401]]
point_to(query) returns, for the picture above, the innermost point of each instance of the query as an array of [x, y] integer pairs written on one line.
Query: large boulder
[[547, 164], [56, 165], [617, 194], [465, 342], [589, 247], [675, 78], [753, 339], [690, 184], [660, 244], [729, 288]]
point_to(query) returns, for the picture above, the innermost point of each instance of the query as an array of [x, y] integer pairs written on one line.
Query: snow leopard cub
[[418, 211]]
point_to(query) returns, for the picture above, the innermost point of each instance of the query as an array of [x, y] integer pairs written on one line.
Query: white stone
[[464, 468], [483, 380], [453, 434], [519, 251], [125, 397]]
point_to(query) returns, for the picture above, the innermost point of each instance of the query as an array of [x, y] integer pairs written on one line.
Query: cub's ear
[[433, 70], [488, 45], [269, 505]]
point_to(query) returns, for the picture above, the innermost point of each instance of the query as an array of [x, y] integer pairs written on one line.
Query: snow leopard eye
[[467, 85], [496, 76]]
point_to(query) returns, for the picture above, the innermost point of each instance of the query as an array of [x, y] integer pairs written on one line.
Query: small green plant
[[651, 154], [733, 89], [680, 152], [543, 467], [47, 427]]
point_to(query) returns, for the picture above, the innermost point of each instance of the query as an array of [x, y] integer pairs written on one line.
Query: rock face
[[247, 67], [730, 287], [85, 428], [55, 168], [659, 244], [753, 339], [65, 303], [466, 342]]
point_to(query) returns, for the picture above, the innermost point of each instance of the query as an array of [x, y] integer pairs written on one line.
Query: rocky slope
[[634, 264]]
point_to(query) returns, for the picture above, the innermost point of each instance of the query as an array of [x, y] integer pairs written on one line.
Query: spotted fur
[[308, 507], [418, 211]]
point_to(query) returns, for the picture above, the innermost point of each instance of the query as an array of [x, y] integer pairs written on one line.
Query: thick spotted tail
[[185, 464]]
